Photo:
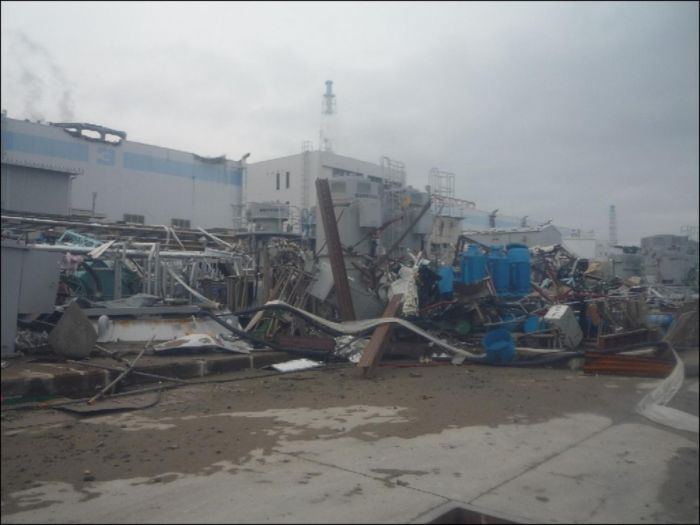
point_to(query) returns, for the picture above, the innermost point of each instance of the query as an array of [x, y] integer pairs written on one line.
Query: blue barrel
[[661, 320], [531, 324], [497, 262], [446, 282], [519, 266], [499, 346], [473, 265]]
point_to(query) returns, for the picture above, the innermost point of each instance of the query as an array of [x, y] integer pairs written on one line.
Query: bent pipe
[[357, 327], [271, 344], [293, 311], [470, 358]]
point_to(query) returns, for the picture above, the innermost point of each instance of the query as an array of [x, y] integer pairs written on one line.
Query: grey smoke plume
[[33, 91], [66, 106], [35, 83]]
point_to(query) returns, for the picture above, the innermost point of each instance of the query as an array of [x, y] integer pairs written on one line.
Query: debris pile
[[189, 291]]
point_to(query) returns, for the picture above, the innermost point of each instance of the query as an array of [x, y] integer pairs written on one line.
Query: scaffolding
[[442, 189], [393, 171]]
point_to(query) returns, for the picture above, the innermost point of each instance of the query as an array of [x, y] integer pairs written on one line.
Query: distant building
[[583, 244], [444, 237], [541, 236], [89, 170], [625, 261], [291, 179], [669, 259]]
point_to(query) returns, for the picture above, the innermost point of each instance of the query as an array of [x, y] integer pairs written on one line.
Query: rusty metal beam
[[380, 337], [306, 342], [626, 365], [335, 250]]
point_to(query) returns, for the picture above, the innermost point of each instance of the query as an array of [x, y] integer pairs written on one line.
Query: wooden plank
[[380, 337]]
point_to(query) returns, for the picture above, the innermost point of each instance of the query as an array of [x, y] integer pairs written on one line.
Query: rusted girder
[[306, 342], [626, 365], [380, 337], [335, 250]]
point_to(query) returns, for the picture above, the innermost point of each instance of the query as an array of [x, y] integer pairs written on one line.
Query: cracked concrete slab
[[615, 476], [506, 442]]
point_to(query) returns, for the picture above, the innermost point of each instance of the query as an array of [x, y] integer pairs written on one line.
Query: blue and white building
[[84, 169]]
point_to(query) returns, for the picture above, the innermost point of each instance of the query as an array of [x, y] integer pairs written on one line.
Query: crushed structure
[[323, 257]]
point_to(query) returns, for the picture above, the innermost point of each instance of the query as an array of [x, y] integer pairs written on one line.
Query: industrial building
[[90, 170], [290, 179], [444, 237], [669, 259], [542, 236]]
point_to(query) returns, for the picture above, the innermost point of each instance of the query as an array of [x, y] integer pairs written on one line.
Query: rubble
[[196, 291]]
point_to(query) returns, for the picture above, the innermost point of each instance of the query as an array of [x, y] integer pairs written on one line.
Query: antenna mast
[[328, 109], [612, 234]]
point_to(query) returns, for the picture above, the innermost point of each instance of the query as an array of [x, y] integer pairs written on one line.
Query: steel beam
[[380, 337], [335, 250]]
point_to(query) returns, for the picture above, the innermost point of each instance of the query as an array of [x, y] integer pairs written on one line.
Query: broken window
[[180, 223], [135, 219]]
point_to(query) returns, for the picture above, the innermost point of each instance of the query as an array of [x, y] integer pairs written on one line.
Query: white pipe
[[177, 238], [83, 249], [195, 293], [215, 238]]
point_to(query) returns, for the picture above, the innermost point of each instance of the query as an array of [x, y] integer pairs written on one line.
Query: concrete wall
[[443, 238], [129, 178], [261, 177], [547, 236], [583, 248], [667, 259], [446, 230], [35, 190]]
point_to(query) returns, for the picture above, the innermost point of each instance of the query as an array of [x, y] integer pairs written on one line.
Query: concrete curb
[[72, 380]]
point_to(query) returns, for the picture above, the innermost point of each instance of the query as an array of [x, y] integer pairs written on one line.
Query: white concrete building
[[291, 179], [542, 236], [669, 259]]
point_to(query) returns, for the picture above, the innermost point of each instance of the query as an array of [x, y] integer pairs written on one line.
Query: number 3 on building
[[105, 156]]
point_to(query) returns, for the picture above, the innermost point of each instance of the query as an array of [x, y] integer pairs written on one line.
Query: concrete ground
[[37, 376], [530, 445]]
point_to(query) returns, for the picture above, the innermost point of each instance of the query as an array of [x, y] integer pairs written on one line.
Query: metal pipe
[[156, 271], [195, 293], [215, 238], [271, 344], [112, 251], [119, 377], [134, 372]]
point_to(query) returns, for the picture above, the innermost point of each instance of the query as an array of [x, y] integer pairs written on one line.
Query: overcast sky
[[552, 110]]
